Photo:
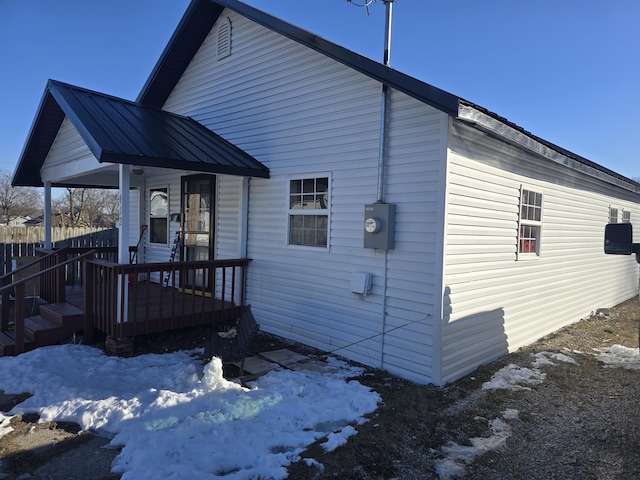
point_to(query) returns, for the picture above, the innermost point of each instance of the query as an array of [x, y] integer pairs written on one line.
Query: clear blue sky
[[565, 70]]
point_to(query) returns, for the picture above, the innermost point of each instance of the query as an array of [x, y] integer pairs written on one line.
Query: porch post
[[47, 215], [125, 203], [123, 242]]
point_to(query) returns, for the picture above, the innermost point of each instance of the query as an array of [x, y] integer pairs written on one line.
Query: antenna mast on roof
[[387, 26]]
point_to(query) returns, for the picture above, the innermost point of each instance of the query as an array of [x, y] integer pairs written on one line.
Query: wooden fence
[[25, 241], [35, 234]]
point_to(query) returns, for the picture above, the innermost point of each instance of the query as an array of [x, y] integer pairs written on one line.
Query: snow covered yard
[[565, 407], [174, 419]]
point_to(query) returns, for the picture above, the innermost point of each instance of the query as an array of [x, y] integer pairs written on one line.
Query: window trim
[[152, 217], [537, 224], [311, 212], [613, 209]]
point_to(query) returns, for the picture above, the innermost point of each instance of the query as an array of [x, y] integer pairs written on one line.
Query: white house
[[16, 221], [477, 236]]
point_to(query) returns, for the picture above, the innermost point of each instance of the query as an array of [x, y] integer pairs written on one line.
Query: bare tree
[[17, 201], [88, 206]]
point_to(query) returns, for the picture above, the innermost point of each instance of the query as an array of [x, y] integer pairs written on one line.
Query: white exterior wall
[[69, 153], [302, 114], [416, 149], [69, 157], [494, 303]]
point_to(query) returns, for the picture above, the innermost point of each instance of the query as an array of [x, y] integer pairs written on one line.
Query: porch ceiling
[[123, 132]]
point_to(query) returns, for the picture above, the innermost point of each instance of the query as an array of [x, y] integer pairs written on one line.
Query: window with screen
[[530, 223], [613, 215], [309, 212], [159, 215]]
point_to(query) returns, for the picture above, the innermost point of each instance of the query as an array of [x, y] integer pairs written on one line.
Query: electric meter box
[[379, 226]]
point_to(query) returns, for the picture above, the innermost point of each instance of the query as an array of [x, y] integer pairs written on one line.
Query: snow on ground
[[189, 422], [166, 411], [514, 377], [619, 356], [457, 456]]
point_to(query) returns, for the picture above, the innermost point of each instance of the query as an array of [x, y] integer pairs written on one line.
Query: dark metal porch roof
[[124, 132]]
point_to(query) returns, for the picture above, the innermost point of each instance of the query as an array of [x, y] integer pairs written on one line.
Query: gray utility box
[[379, 226]]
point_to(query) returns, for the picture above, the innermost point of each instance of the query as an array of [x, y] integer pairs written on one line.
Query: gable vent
[[224, 39]]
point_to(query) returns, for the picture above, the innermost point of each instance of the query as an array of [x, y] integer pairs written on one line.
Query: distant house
[[17, 221], [426, 248], [57, 220]]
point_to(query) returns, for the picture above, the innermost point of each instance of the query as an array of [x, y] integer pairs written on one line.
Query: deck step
[[8, 344], [43, 331], [64, 314]]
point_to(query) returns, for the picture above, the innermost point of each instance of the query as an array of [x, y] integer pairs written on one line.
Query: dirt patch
[[53, 451], [580, 422]]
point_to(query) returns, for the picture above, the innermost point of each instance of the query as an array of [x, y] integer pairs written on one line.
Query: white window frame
[[295, 208], [153, 217], [626, 216], [613, 214], [530, 219]]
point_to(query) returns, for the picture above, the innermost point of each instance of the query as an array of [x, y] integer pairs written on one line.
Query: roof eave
[[435, 97], [177, 164], [44, 128], [195, 25], [511, 133]]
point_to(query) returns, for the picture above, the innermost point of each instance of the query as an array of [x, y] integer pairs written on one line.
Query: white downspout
[[244, 230], [381, 163]]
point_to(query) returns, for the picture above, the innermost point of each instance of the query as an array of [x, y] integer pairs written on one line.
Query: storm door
[[197, 215]]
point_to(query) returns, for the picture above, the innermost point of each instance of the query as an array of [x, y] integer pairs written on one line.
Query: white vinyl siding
[[302, 114], [497, 304], [228, 216], [68, 155]]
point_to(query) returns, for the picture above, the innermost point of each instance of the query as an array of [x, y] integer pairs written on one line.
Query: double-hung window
[[530, 223], [615, 217], [159, 215], [309, 211]]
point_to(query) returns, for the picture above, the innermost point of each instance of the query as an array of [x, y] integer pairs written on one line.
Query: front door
[[197, 216]]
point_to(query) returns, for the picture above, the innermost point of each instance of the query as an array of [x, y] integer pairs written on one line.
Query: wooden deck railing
[[7, 289], [73, 272], [129, 300], [18, 289]]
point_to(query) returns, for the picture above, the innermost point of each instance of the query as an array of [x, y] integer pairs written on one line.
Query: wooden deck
[[120, 300], [153, 309]]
